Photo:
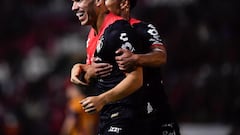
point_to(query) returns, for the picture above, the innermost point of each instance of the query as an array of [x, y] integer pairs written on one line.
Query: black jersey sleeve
[[148, 34]]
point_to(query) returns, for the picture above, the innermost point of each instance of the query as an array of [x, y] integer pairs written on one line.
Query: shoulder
[[148, 33], [121, 34], [119, 27], [141, 25], [113, 22]]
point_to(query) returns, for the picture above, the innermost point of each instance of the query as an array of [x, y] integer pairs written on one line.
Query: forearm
[[126, 87], [86, 78], [152, 59], [97, 70], [77, 74]]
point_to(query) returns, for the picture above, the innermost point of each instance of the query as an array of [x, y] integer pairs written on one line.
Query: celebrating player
[[117, 98], [158, 116]]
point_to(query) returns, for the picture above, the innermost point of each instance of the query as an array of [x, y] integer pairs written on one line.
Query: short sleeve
[[148, 34]]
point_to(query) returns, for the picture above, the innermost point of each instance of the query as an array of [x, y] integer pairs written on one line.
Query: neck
[[126, 16], [126, 13], [99, 22]]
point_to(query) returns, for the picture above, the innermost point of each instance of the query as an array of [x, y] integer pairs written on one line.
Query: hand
[[99, 69], [92, 104], [76, 71], [126, 60]]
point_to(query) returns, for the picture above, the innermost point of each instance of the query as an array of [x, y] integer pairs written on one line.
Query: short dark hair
[[132, 3]]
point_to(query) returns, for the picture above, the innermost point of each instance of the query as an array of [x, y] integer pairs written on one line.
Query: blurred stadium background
[[40, 40]]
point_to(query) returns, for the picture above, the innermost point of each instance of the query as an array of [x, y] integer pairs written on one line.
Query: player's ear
[[99, 2], [124, 4]]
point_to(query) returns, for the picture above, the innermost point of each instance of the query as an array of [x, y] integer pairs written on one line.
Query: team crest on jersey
[[126, 44], [99, 44], [149, 108]]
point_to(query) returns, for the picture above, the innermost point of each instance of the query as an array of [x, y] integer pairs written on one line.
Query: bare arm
[[126, 87], [129, 85], [128, 60], [97, 70], [88, 72], [155, 58], [76, 72]]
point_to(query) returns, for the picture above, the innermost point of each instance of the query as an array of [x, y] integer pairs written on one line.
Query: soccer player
[[117, 98], [158, 115]]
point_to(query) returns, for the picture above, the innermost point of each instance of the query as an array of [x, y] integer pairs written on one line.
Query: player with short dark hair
[[118, 92], [158, 117]]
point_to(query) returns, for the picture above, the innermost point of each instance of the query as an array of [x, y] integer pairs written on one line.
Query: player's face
[[114, 6], [84, 10]]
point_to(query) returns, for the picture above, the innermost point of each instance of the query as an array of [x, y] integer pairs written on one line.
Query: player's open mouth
[[80, 14]]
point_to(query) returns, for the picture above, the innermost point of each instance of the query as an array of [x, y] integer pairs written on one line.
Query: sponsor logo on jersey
[[168, 133], [126, 44], [155, 35], [168, 129], [114, 129]]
